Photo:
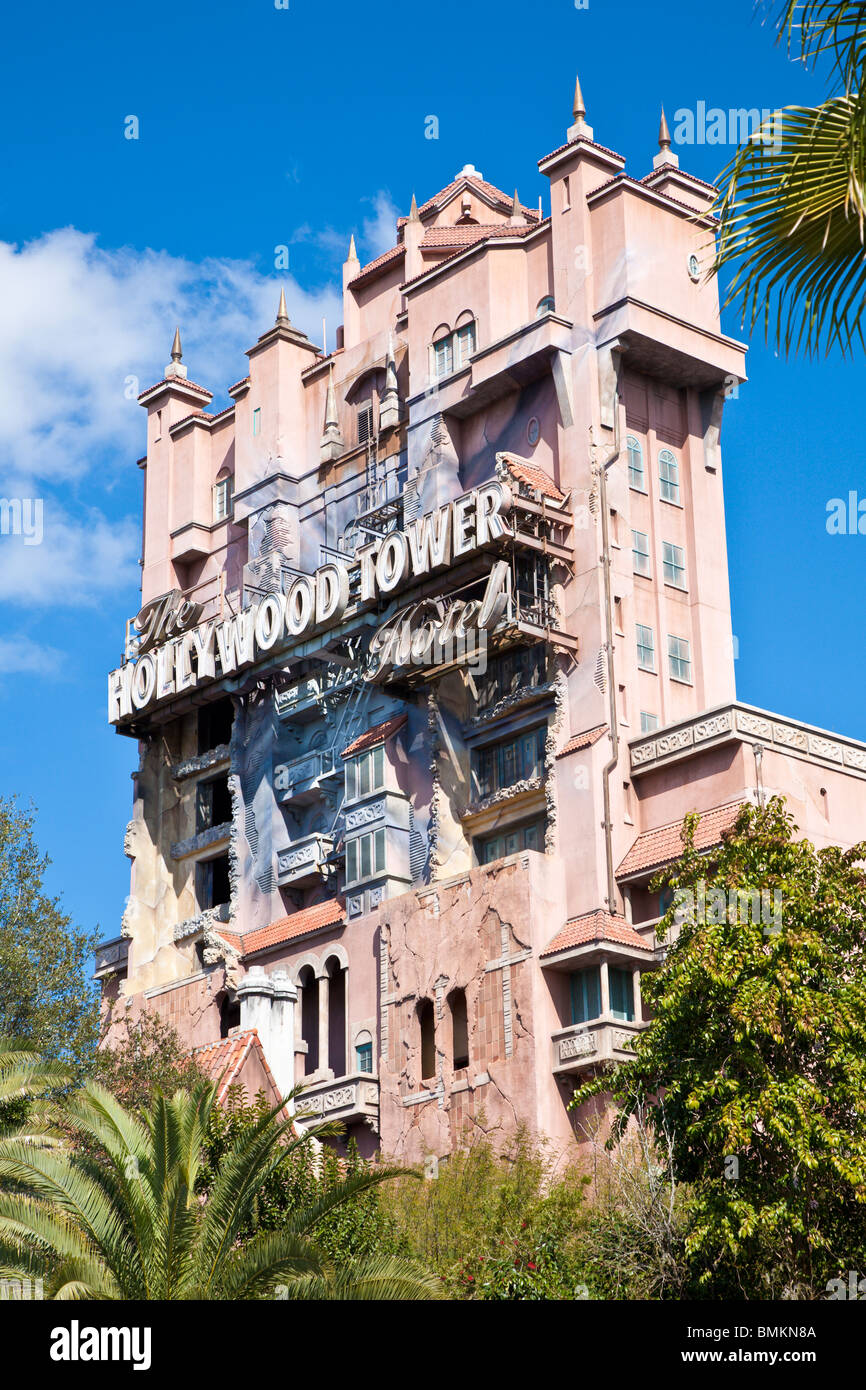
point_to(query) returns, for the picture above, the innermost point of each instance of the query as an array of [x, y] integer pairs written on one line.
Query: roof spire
[[413, 211], [578, 110], [579, 130], [331, 446], [175, 366], [353, 255], [282, 320], [664, 155], [516, 218]]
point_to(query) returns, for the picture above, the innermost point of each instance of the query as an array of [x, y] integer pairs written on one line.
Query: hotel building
[[435, 654]]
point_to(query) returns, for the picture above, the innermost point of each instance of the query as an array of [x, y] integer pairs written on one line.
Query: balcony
[[304, 862], [111, 958], [297, 782], [352, 1099], [586, 1045], [304, 697]]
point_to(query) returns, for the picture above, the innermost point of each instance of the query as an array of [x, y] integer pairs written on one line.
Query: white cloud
[[20, 655], [380, 231], [79, 321], [377, 233], [80, 560]]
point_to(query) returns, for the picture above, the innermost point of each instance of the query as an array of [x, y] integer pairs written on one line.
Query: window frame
[[590, 974], [503, 763], [672, 567], [635, 553], [644, 646], [633, 445], [372, 845], [679, 659], [365, 773], [671, 463]]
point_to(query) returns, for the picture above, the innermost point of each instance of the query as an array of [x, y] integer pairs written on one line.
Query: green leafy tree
[[306, 1175], [753, 1069], [142, 1056], [128, 1222], [793, 198], [26, 1079], [46, 996]]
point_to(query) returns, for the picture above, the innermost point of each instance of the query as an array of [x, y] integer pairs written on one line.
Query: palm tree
[[24, 1077], [793, 198], [120, 1218]]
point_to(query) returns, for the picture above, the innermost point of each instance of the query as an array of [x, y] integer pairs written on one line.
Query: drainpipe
[[601, 469]]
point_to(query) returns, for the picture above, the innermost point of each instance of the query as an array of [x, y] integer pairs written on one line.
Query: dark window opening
[[459, 1028], [585, 995], [336, 1017], [230, 1016], [517, 669], [427, 1027], [212, 887], [310, 1018], [517, 759], [213, 803], [215, 724]]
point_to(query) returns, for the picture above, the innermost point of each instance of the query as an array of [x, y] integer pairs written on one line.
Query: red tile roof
[[492, 193], [310, 919], [223, 1061], [581, 140], [372, 268], [665, 169], [378, 734], [534, 477], [595, 926], [654, 848], [584, 740], [467, 234], [177, 381], [437, 265]]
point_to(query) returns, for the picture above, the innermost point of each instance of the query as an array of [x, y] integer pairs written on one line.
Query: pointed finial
[[579, 110], [282, 311], [516, 216], [413, 211], [664, 133], [353, 255], [176, 350], [175, 367]]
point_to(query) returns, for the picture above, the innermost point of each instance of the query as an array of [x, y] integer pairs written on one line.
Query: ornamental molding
[[365, 815], [736, 720]]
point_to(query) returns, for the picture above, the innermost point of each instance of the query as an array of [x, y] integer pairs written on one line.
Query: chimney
[[268, 1005]]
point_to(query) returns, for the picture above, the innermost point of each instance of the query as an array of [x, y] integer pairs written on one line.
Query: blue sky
[[259, 128]]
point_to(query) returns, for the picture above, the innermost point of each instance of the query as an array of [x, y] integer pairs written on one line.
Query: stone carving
[[776, 733], [710, 728], [855, 757], [364, 815], [621, 1039], [790, 738], [205, 838], [643, 753], [753, 724], [671, 743], [355, 904], [825, 748], [578, 1045]]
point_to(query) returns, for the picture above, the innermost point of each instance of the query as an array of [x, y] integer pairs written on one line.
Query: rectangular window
[[364, 1055], [257, 420], [519, 759], [669, 477], [213, 803], [646, 648], [621, 994], [365, 773], [585, 995], [222, 499], [365, 422], [520, 668], [212, 888], [443, 357], [648, 722], [464, 344], [365, 856], [635, 465], [511, 841], [680, 658], [640, 552], [674, 565]]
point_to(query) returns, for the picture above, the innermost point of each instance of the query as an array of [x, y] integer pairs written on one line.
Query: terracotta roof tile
[[664, 169], [489, 235], [327, 914], [466, 235], [534, 477], [584, 740], [378, 734], [595, 926], [372, 268], [581, 140], [223, 1061], [493, 194], [654, 848], [177, 381]]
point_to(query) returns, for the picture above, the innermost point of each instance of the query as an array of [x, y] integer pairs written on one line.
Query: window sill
[[669, 503], [678, 680], [641, 490], [647, 670], [680, 588]]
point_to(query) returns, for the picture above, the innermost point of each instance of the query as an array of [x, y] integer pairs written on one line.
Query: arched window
[[336, 1016], [669, 477], [442, 352], [635, 464], [364, 1052], [459, 1028], [545, 306], [310, 1017], [222, 496], [427, 1029], [465, 338]]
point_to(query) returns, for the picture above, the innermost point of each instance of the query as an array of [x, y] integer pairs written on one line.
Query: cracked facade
[[434, 655]]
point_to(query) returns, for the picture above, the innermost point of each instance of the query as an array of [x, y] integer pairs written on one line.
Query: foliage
[[131, 1225], [306, 1176], [496, 1224], [793, 198], [752, 1072], [25, 1079], [46, 997], [143, 1055]]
